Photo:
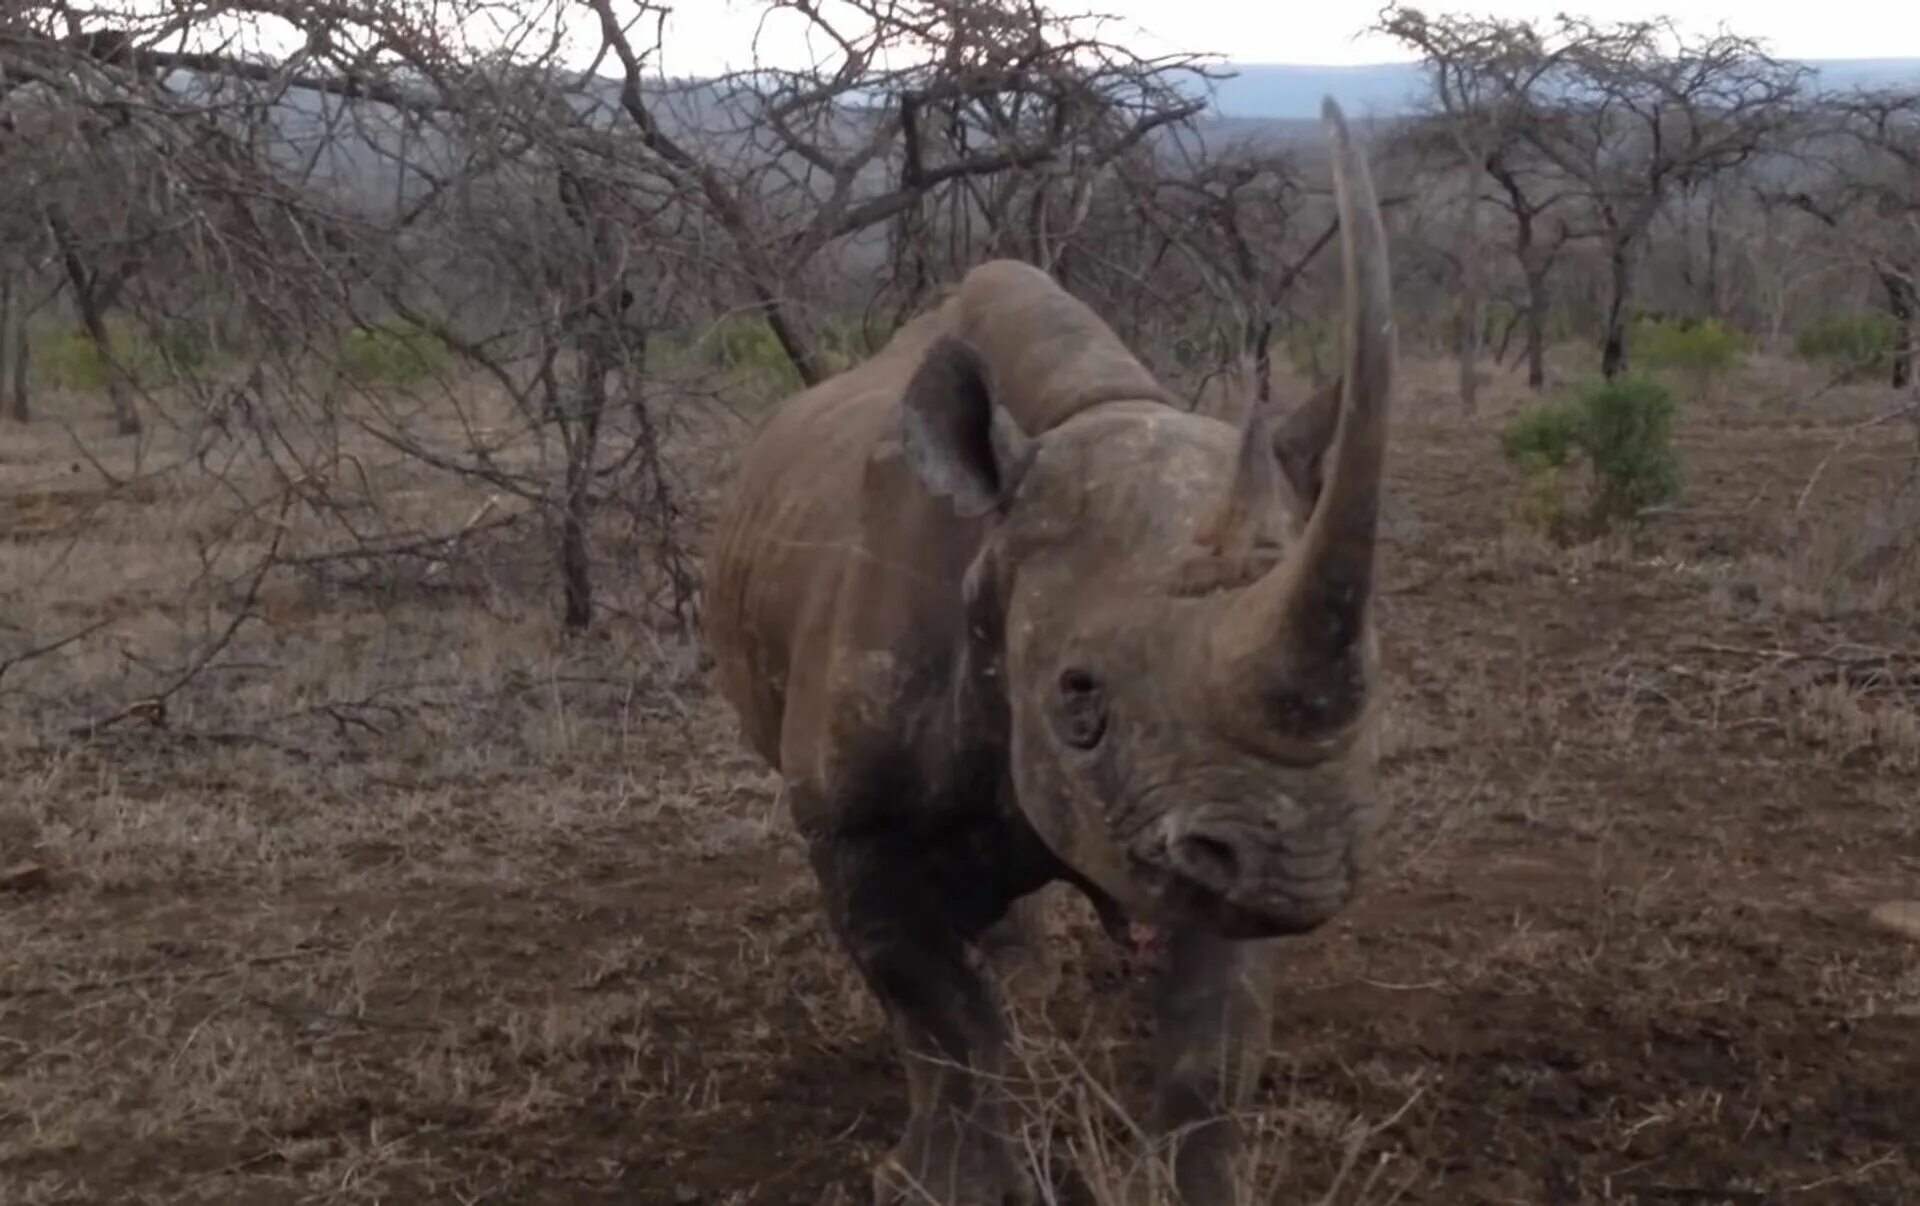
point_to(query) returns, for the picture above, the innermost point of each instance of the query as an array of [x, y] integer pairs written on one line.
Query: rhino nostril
[[1208, 861]]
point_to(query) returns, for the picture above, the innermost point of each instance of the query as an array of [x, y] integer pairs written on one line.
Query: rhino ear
[[961, 446], [1277, 475], [1300, 443]]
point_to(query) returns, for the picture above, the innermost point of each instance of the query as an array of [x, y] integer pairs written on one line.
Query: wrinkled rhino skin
[[1001, 613]]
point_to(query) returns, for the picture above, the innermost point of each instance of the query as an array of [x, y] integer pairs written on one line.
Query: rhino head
[[1169, 618]]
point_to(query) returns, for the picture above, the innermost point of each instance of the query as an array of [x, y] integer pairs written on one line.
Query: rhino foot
[[952, 1162], [1204, 1166], [1016, 949]]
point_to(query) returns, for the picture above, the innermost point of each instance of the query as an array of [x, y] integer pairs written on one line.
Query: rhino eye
[[1082, 720]]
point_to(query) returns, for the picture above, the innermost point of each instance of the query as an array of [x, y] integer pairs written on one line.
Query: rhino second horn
[[1247, 516]]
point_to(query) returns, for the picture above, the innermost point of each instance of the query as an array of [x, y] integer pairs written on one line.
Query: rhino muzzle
[[1240, 878]]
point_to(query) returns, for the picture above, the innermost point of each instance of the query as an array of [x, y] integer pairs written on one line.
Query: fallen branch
[[51, 647], [439, 547], [205, 973], [311, 1014], [1909, 411], [154, 707], [1833, 656]]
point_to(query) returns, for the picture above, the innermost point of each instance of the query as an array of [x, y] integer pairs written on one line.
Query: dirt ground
[[414, 901]]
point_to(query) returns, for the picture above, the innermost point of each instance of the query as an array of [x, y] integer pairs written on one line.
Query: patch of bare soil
[[558, 948]]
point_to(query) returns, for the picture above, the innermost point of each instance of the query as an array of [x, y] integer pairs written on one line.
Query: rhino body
[[1002, 614]]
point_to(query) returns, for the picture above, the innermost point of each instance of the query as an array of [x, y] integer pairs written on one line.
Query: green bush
[[1859, 345], [1619, 431], [1627, 434], [393, 353], [1546, 437], [68, 359], [1699, 351], [745, 348], [1200, 342], [1313, 349], [186, 346], [1496, 315], [667, 350], [148, 353], [845, 342]]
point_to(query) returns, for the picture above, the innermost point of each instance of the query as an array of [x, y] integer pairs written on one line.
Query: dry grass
[[408, 897]]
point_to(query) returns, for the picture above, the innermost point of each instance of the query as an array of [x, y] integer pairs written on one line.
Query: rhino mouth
[[1179, 902]]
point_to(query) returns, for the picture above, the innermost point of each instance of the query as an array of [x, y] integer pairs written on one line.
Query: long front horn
[[1292, 643]]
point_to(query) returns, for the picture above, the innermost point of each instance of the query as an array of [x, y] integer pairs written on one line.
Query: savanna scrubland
[[369, 831]]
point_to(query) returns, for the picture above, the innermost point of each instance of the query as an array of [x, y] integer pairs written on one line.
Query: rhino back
[[835, 584]]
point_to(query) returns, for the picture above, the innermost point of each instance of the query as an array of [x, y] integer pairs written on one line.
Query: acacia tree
[[1008, 125], [967, 92], [24, 291], [1243, 224], [1242, 207], [1634, 112], [539, 220], [1531, 192], [1784, 256], [93, 239], [1481, 75], [20, 241], [1871, 194]]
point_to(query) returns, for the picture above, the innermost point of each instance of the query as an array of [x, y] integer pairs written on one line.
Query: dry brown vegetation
[[406, 896], [368, 832]]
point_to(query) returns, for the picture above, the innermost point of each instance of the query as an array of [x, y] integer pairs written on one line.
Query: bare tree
[[1231, 215], [1636, 111], [1871, 192], [1782, 258], [998, 86], [538, 221], [1629, 114], [14, 400], [1481, 74], [1531, 192]]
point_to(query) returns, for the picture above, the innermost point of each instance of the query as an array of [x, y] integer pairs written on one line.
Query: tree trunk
[[22, 358], [1533, 266], [91, 298], [1613, 350], [1536, 327], [13, 395], [1900, 304], [795, 340], [596, 314], [1776, 318], [576, 562], [1714, 307], [576, 566], [1470, 307], [126, 420], [634, 371], [1505, 339], [1263, 359], [87, 300]]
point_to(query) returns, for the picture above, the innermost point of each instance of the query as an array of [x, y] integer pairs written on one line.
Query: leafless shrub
[[422, 242]]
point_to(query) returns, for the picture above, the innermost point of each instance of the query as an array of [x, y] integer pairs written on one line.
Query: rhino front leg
[[1214, 1009], [1016, 948], [886, 907]]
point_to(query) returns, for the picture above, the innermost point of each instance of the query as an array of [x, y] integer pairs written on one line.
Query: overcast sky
[[706, 35]]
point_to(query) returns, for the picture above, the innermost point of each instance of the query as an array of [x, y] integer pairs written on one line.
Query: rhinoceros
[[1001, 612]]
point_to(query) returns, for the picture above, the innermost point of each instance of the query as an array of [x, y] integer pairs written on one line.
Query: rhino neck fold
[[1048, 355]]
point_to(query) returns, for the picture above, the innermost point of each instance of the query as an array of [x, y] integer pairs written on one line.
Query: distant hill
[[1262, 105], [1293, 91]]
